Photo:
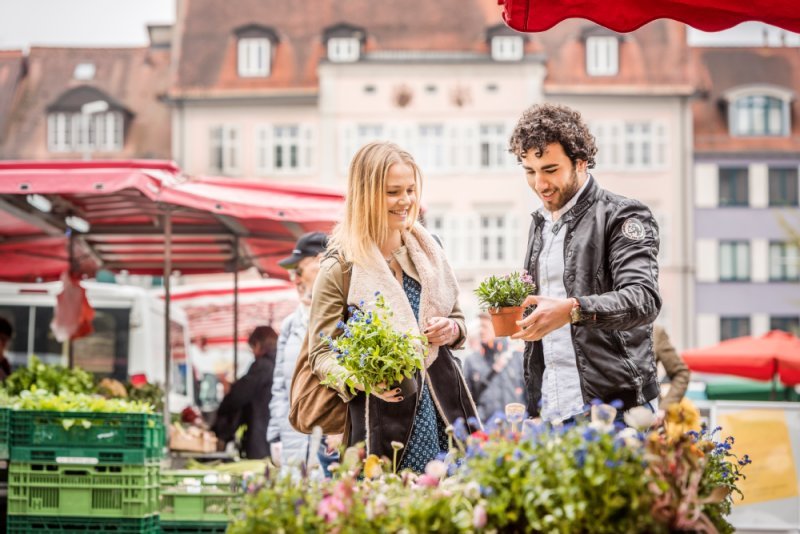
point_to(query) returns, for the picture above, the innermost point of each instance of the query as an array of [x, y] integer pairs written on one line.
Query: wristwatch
[[575, 312]]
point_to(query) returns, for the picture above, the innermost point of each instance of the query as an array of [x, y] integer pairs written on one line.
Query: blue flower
[[580, 457], [376, 294], [340, 325], [612, 464], [596, 402], [322, 335], [518, 454], [618, 404], [590, 435], [361, 303]]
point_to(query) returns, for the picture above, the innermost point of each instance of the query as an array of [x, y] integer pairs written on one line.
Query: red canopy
[[760, 358], [125, 202], [627, 15]]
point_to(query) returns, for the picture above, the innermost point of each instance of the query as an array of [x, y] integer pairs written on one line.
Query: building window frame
[[733, 327], [344, 49], [76, 132], [759, 115], [786, 323], [602, 55], [784, 262], [225, 149], [254, 57], [734, 261], [783, 187], [734, 187], [508, 48]]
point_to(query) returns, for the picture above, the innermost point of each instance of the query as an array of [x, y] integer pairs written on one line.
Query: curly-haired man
[[593, 256]]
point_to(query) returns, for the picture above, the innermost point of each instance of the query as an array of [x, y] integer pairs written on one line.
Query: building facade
[[274, 94], [746, 224]]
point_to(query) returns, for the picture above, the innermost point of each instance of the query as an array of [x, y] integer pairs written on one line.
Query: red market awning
[[760, 358], [628, 15], [218, 224]]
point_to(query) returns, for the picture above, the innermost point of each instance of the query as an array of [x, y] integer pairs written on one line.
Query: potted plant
[[374, 354], [503, 296]]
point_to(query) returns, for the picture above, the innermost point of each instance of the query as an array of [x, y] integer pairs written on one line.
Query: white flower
[[603, 417], [436, 469], [630, 436], [640, 418], [472, 490]]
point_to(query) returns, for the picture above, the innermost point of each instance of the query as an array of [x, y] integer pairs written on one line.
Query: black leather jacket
[[611, 267]]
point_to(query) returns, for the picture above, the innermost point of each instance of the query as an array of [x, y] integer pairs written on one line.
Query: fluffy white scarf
[[436, 276]]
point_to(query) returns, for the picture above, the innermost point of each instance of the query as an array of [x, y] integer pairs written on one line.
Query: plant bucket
[[504, 320]]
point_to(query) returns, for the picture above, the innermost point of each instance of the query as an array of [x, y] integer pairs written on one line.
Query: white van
[[128, 337]]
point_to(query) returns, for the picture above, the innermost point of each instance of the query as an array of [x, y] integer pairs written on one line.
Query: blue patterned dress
[[428, 438]]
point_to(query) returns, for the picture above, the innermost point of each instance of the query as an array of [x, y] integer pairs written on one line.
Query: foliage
[[589, 477], [505, 291], [692, 476], [371, 352], [53, 378], [151, 394], [43, 400]]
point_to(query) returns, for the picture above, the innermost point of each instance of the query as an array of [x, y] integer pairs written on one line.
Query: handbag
[[310, 403]]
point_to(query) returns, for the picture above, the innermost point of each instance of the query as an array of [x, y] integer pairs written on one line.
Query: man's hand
[[550, 314]]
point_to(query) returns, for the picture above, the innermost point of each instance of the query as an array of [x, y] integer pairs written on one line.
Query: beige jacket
[[674, 365], [329, 307]]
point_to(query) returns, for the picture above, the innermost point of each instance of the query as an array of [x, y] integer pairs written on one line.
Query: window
[[783, 187], [225, 155], [787, 324], [493, 238], [84, 71], [631, 145], [784, 262], [254, 57], [507, 48], [430, 147], [76, 132], [344, 49], [734, 261], [733, 187], [284, 148], [731, 327], [494, 146], [759, 115], [602, 55]]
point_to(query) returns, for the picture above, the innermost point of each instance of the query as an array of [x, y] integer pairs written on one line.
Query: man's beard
[[570, 191]]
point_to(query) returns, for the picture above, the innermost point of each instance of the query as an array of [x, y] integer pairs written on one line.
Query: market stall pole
[[167, 217]]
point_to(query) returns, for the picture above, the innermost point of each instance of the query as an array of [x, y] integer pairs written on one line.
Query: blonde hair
[[365, 221]]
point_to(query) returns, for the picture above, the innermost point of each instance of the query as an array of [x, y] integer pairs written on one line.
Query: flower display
[[531, 477], [371, 352]]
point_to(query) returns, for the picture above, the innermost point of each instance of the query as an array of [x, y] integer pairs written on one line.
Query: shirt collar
[[556, 215]]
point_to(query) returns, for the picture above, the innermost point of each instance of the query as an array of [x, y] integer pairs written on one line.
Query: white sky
[[123, 23]]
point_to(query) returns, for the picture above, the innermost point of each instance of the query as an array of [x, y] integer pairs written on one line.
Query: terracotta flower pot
[[504, 320]]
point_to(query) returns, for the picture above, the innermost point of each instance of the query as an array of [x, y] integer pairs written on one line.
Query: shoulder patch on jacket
[[633, 229]]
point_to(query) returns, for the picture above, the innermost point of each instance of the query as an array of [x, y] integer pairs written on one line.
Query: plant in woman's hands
[[371, 352]]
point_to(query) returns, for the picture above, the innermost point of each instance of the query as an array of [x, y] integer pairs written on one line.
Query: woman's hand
[[392, 395], [442, 331]]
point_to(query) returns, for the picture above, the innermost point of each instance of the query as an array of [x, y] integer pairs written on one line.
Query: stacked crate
[[87, 471], [198, 502]]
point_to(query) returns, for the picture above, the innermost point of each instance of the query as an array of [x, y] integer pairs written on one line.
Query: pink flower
[[329, 508], [479, 516], [427, 481]]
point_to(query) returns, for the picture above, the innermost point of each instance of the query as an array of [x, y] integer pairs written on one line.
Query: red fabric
[[73, 315], [760, 358], [627, 15]]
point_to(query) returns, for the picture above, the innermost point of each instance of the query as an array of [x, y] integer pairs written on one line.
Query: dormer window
[[759, 111], [84, 72], [507, 48], [344, 49], [254, 57], [343, 42], [254, 51], [84, 119], [602, 55]]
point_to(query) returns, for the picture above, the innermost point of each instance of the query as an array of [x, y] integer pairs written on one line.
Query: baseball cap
[[309, 245]]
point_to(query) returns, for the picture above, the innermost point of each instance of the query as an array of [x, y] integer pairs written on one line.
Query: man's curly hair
[[543, 124]]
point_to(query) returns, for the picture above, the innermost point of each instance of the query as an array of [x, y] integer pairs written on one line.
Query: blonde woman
[[387, 250]]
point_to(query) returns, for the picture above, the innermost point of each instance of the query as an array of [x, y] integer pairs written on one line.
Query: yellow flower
[[372, 467], [681, 418]]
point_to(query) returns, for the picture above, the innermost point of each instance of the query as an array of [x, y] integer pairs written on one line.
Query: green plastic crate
[[118, 491], [27, 524], [5, 416], [194, 527], [213, 505], [80, 437], [171, 479]]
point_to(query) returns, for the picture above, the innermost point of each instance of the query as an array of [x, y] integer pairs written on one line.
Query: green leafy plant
[[505, 291], [371, 352], [43, 400], [53, 378]]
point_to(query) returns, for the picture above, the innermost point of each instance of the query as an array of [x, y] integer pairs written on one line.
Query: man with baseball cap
[[288, 445]]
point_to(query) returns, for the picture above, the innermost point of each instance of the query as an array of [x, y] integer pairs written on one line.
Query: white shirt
[[561, 386]]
